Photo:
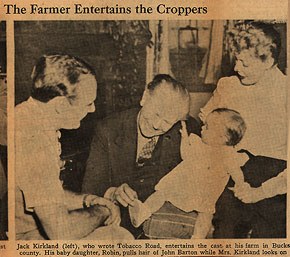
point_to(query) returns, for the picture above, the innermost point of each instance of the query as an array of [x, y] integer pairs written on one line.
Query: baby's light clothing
[[198, 181]]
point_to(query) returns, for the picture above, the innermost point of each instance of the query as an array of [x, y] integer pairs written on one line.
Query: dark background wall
[[88, 40]]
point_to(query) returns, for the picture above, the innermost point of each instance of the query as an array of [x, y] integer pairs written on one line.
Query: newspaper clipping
[[144, 128]]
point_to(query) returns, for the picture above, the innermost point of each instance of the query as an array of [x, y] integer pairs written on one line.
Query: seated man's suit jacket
[[112, 159]]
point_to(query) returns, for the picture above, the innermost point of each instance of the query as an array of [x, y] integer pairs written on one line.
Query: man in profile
[[63, 93]]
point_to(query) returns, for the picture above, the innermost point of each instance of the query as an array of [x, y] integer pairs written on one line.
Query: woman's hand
[[248, 194]]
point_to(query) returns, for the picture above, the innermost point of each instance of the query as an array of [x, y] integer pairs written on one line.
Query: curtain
[[211, 67], [158, 53]]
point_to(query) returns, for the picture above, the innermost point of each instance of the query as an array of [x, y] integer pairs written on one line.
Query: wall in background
[[88, 40]]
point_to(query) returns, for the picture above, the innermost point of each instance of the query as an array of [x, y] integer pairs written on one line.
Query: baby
[[198, 181]]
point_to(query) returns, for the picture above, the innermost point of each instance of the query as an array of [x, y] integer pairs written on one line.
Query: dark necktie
[[147, 150]]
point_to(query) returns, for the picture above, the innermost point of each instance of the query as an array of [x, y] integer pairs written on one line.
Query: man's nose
[[92, 108], [238, 66]]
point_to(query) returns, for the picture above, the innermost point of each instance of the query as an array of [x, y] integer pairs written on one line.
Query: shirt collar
[[44, 115]]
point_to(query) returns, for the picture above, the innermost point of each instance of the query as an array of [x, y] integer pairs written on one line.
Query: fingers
[[125, 195], [130, 192], [201, 115], [246, 199], [243, 193], [237, 192], [91, 200], [115, 217], [183, 129], [101, 201], [183, 125]]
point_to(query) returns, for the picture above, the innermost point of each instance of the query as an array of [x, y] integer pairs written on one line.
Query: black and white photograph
[[3, 134], [148, 129]]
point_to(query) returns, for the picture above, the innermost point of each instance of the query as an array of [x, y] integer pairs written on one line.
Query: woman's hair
[[234, 123], [57, 75], [260, 37]]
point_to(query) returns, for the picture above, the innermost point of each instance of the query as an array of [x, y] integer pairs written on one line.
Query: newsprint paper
[[144, 128]]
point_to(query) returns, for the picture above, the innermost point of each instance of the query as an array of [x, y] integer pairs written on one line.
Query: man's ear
[[60, 104], [33, 72]]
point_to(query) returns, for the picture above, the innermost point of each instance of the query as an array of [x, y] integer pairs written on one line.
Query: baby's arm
[[202, 225], [155, 201], [184, 145]]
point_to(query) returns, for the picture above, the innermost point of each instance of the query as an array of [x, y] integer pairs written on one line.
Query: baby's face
[[214, 130]]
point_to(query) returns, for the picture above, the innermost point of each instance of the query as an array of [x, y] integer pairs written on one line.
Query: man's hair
[[259, 36], [160, 78], [235, 125], [57, 75]]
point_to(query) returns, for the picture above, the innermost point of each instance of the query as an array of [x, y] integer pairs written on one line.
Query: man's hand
[[115, 217], [248, 194], [125, 195]]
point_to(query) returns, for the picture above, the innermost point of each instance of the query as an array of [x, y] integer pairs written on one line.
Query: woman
[[258, 92], [63, 93]]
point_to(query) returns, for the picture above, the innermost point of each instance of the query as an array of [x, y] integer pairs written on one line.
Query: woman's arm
[[270, 188]]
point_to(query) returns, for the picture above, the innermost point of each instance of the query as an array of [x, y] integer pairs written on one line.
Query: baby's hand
[[184, 141], [202, 115], [183, 130]]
